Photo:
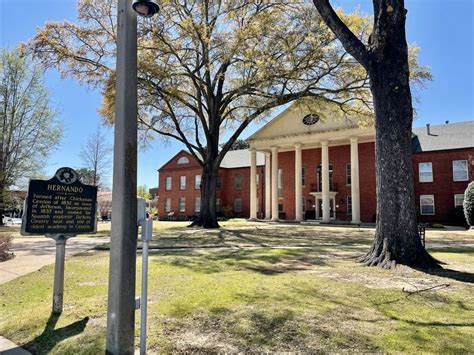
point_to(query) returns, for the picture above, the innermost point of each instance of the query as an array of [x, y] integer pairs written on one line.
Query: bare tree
[[96, 155], [29, 126], [385, 58]]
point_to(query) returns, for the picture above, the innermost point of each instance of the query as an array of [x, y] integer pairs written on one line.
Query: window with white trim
[[182, 182], [460, 172], [238, 205], [197, 182], [182, 204], [425, 172], [218, 204], [257, 177], [238, 182], [280, 182], [348, 175], [183, 160], [197, 204], [168, 204], [458, 200], [427, 205], [168, 183], [349, 204]]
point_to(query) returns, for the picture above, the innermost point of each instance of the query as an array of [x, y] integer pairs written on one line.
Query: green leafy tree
[[29, 126], [468, 204], [385, 57], [212, 67], [240, 144], [142, 191]]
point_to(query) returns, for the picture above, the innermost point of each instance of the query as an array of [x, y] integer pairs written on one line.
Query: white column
[[355, 192], [274, 184], [267, 185], [325, 182], [298, 184], [253, 184]]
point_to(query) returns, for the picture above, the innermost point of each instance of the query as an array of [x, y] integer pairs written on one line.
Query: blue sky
[[443, 29]]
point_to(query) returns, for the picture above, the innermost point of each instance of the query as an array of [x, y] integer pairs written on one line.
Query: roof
[[240, 159], [443, 137], [290, 122], [232, 159]]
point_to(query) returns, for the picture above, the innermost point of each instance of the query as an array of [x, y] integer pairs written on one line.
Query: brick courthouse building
[[300, 168]]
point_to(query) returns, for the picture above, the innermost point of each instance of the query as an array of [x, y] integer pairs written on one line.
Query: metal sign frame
[[64, 177], [67, 178]]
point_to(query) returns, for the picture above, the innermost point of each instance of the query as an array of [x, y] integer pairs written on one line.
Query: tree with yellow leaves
[[207, 69]]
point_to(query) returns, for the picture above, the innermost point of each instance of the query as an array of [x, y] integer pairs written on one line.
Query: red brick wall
[[175, 170], [443, 187], [227, 193], [367, 182], [339, 156]]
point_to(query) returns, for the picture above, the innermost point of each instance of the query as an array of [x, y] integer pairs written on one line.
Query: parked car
[[11, 220]]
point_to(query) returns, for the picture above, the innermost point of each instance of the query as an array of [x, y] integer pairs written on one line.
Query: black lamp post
[[145, 8], [123, 243]]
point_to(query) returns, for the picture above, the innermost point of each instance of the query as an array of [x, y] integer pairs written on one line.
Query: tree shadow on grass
[[261, 260], [461, 276], [50, 337]]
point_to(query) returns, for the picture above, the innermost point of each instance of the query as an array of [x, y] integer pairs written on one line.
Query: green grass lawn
[[260, 288], [103, 230]]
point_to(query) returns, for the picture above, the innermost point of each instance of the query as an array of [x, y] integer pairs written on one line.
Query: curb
[[8, 347]]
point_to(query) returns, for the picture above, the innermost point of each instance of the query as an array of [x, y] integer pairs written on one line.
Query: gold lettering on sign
[[63, 188]]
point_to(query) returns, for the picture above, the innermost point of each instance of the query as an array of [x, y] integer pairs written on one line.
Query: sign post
[[60, 208], [58, 289]]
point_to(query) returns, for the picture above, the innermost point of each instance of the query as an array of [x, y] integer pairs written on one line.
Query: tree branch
[[348, 39]]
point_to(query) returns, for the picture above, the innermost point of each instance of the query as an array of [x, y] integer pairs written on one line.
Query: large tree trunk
[[208, 214], [2, 202], [396, 236]]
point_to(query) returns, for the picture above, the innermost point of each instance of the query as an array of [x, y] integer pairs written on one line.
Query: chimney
[[428, 129]]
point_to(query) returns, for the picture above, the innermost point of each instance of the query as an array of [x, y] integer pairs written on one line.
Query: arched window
[[183, 160]]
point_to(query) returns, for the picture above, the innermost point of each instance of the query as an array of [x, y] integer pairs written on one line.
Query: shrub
[[468, 204], [226, 212], [457, 217], [5, 244]]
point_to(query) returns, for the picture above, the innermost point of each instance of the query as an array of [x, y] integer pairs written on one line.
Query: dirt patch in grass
[[256, 330]]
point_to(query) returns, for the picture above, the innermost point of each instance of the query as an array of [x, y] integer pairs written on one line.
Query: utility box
[[141, 209]]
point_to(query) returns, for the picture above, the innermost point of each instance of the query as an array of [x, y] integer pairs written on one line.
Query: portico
[[297, 151]]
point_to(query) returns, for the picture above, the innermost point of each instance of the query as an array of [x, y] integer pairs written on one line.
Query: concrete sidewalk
[[8, 347], [32, 253]]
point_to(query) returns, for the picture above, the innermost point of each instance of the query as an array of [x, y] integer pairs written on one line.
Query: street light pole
[[123, 243]]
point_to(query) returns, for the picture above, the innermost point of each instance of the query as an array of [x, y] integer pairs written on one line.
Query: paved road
[[32, 253]]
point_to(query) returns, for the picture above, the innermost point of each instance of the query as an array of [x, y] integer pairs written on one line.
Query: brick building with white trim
[[301, 168]]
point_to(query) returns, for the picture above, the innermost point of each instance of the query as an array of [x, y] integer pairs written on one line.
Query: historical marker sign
[[61, 205]]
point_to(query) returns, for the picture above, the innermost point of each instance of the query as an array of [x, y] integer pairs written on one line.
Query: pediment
[[292, 122]]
